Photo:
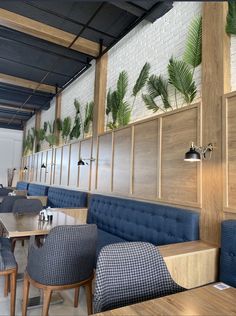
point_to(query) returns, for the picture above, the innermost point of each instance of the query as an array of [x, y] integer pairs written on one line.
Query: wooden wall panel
[[65, 164], [38, 179], [43, 170], [57, 166], [122, 161], [146, 173], [74, 158], [84, 171], [231, 152], [104, 163], [49, 166], [179, 179]]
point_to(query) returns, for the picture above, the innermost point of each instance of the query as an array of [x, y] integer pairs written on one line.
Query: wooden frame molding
[[51, 34], [215, 82], [24, 83]]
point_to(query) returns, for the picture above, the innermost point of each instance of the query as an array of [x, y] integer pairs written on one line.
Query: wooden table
[[42, 198], [191, 264], [15, 225], [206, 300]]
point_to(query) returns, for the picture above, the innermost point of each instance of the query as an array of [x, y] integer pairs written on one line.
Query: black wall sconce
[[196, 153], [83, 162], [25, 168], [43, 166]]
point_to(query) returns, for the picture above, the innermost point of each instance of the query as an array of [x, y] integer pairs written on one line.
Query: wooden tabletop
[[206, 300], [16, 225]]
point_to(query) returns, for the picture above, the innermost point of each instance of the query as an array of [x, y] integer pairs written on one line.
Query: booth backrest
[[58, 197], [140, 221], [37, 189], [21, 185], [228, 252]]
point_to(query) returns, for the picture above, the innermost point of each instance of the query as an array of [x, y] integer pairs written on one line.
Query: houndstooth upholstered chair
[[65, 261], [27, 206], [8, 268], [128, 273], [8, 202]]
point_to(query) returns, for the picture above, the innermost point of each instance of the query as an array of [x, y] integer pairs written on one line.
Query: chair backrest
[[228, 252], [27, 206], [5, 191], [128, 273], [67, 256], [7, 203]]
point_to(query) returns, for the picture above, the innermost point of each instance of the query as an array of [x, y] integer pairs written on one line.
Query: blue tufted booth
[[37, 189], [21, 185], [120, 220], [228, 252], [58, 197]]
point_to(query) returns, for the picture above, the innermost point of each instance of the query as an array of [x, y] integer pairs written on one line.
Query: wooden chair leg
[[46, 301], [13, 292], [6, 285], [89, 297], [76, 297], [26, 286]]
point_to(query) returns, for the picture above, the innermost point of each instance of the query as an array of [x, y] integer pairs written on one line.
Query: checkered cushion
[[67, 256], [7, 259], [27, 206], [128, 273], [37, 189], [21, 185]]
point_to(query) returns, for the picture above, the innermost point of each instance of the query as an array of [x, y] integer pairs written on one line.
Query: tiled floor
[[64, 309]]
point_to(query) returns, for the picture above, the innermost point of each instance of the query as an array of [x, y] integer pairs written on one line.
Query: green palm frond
[[40, 134], [122, 84], [51, 139], [193, 49], [115, 106], [59, 124], [66, 127], [152, 87], [77, 106], [123, 114], [142, 79], [231, 18], [88, 116], [180, 77], [76, 130], [150, 103], [109, 102], [45, 126]]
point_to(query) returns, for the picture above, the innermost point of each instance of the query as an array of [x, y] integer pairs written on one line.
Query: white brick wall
[[47, 116], [154, 43], [82, 89], [30, 123], [233, 62]]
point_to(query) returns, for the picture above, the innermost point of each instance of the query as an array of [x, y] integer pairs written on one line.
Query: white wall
[[11, 151], [30, 124], [154, 43]]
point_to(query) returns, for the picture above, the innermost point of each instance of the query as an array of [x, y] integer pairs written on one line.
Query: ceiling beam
[[129, 7], [10, 107], [14, 104], [48, 33], [16, 81]]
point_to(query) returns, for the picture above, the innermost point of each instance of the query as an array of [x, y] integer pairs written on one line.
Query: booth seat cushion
[[58, 197], [228, 252], [37, 189], [140, 221], [21, 185]]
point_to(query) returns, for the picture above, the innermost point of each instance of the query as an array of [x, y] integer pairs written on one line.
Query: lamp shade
[[81, 162], [43, 166], [192, 155]]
